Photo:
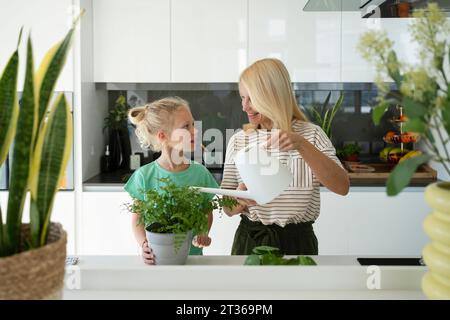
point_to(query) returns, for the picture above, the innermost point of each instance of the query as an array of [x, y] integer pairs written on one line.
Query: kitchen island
[[225, 277]]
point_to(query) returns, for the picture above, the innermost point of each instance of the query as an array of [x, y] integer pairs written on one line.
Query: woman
[[275, 119]]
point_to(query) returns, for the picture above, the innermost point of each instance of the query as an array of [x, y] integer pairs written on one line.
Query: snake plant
[[324, 115], [42, 142]]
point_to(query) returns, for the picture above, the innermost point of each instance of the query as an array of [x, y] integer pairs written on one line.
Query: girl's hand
[[244, 202], [285, 141], [147, 254], [201, 241]]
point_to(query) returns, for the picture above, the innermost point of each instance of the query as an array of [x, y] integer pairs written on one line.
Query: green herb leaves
[[177, 209], [265, 255]]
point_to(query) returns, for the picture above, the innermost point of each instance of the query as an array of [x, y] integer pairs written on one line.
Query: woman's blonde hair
[[269, 87], [155, 117]]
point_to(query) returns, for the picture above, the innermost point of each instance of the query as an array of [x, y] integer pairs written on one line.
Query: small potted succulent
[[171, 215]]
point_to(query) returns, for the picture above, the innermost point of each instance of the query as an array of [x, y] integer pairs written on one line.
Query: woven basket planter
[[38, 273]]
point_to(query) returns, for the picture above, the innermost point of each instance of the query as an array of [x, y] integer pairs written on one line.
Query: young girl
[[166, 125]]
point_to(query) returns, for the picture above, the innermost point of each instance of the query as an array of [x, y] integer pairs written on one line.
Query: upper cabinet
[[214, 40], [209, 40], [48, 21], [357, 69], [131, 40], [308, 42]]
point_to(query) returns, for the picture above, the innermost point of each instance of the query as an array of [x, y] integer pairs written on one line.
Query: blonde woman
[[275, 119]]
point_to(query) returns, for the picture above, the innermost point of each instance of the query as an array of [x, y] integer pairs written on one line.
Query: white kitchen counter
[[224, 277]]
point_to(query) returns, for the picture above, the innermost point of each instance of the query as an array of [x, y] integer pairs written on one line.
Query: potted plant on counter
[[32, 256], [349, 153], [171, 215], [119, 140], [424, 94], [323, 116]]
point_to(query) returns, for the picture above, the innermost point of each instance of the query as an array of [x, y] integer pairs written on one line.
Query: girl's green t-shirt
[[147, 178]]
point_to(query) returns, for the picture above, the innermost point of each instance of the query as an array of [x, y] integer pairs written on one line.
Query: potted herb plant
[[350, 152], [171, 215], [32, 256], [270, 256], [424, 93]]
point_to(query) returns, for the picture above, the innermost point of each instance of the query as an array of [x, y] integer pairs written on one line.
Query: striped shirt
[[300, 202]]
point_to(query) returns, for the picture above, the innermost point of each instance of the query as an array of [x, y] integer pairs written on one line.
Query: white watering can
[[264, 176]]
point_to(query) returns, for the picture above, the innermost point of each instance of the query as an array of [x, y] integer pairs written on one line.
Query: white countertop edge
[[119, 188], [242, 295], [212, 273]]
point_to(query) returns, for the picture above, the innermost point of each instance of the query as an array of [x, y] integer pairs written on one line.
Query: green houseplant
[[424, 92], [171, 214], [119, 140], [32, 256], [323, 115], [270, 256], [349, 152]]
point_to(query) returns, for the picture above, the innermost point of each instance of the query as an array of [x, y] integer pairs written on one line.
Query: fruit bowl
[[392, 154], [395, 157]]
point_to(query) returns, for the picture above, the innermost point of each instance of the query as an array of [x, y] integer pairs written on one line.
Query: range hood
[[367, 5], [334, 5]]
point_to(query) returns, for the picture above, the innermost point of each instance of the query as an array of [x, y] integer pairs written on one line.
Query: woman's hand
[[201, 241], [242, 201], [285, 140], [147, 254]]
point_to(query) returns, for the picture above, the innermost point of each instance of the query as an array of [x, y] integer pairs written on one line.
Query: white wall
[[48, 21], [94, 102]]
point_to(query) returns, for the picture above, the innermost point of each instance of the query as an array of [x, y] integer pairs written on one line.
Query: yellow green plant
[[423, 89], [42, 139]]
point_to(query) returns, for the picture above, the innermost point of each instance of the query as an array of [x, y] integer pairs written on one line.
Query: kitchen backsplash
[[220, 107]]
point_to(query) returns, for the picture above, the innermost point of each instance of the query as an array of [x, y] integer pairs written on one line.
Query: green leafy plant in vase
[[349, 152], [32, 256], [119, 140], [171, 215], [424, 93]]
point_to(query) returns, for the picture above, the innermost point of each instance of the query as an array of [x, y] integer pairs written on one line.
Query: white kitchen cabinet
[[307, 42], [209, 40], [48, 21], [365, 222], [63, 212], [131, 40], [357, 69], [368, 222], [104, 227]]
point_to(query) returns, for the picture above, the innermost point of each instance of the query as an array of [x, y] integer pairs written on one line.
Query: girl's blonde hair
[[270, 90], [154, 117]]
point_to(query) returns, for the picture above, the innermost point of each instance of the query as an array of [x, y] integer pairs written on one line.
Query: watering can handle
[[255, 144], [291, 153]]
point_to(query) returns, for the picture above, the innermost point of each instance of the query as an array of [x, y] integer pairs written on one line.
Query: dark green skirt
[[293, 239]]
